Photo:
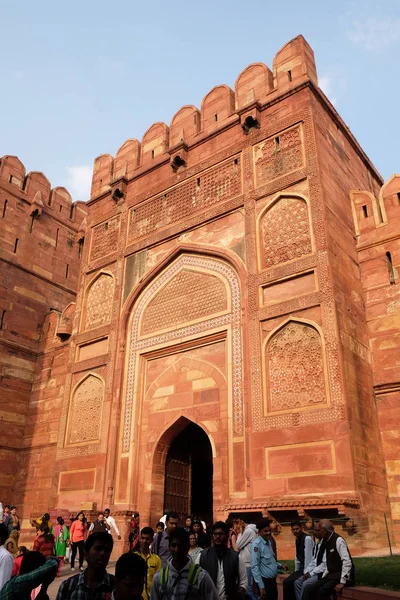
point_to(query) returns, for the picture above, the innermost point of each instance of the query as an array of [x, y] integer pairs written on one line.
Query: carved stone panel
[[104, 239], [284, 232], [84, 423], [189, 296], [278, 155], [99, 301], [295, 368], [187, 198]]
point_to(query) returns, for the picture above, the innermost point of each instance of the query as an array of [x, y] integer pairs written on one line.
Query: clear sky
[[78, 78]]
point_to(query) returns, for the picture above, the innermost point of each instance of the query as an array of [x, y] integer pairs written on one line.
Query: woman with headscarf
[[61, 537], [11, 543]]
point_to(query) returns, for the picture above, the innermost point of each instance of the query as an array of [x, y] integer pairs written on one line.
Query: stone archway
[[183, 472]]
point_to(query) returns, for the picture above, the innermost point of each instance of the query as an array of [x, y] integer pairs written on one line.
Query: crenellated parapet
[[256, 85], [35, 189], [372, 213]]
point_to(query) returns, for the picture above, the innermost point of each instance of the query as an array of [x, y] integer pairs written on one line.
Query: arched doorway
[[189, 474]]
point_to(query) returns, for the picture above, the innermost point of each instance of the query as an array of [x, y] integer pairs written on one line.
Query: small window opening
[[289, 74], [16, 245], [101, 182], [80, 246], [198, 182], [2, 318], [71, 212], [32, 222], [365, 211], [398, 198], [391, 269], [60, 208], [277, 144], [236, 161], [165, 195], [106, 226], [10, 180], [5, 208], [57, 232], [152, 154], [66, 271], [216, 117]]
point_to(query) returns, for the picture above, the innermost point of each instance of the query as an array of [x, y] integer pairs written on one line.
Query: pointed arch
[[284, 230], [87, 397], [98, 301], [295, 368]]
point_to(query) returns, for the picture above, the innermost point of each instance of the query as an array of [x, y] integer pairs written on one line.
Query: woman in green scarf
[[61, 537]]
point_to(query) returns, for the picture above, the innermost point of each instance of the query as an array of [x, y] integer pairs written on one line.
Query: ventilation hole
[[106, 226], [57, 232], [236, 161], [152, 154], [2, 318], [5, 208], [60, 208], [391, 271], [71, 212], [398, 198], [66, 271], [365, 211], [216, 117], [198, 182], [80, 246], [289, 74], [16, 245], [277, 144], [32, 222]]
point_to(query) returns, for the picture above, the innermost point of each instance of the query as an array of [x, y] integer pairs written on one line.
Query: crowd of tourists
[[228, 561]]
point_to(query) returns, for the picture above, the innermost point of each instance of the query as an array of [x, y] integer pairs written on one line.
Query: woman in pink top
[[77, 535]]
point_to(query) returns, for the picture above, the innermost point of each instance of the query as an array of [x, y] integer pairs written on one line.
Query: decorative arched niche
[[85, 411], [98, 301], [295, 373], [284, 230]]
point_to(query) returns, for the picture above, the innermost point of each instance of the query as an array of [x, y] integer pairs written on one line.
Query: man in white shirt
[[111, 523], [314, 570], [6, 560]]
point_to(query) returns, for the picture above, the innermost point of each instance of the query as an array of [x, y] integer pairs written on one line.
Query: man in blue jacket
[[264, 566]]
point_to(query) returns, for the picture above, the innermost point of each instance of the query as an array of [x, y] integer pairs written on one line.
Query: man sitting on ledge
[[339, 570]]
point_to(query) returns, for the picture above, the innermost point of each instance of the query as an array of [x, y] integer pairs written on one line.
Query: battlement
[[256, 85], [35, 189], [377, 214]]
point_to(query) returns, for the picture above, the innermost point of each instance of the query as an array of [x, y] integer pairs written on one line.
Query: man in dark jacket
[[99, 525], [304, 545], [224, 565]]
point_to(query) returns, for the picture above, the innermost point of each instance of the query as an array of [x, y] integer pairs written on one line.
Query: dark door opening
[[189, 474]]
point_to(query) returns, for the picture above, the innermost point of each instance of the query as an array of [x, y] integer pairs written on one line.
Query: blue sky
[[79, 78]]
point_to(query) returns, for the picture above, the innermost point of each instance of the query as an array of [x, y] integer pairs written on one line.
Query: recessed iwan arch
[[137, 345]]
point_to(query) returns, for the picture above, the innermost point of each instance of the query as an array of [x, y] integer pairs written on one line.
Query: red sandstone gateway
[[216, 330]]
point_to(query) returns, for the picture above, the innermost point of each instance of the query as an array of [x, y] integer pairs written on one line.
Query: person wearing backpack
[[182, 579]]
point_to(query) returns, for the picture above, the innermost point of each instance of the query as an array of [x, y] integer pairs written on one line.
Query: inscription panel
[[278, 155], [186, 199]]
